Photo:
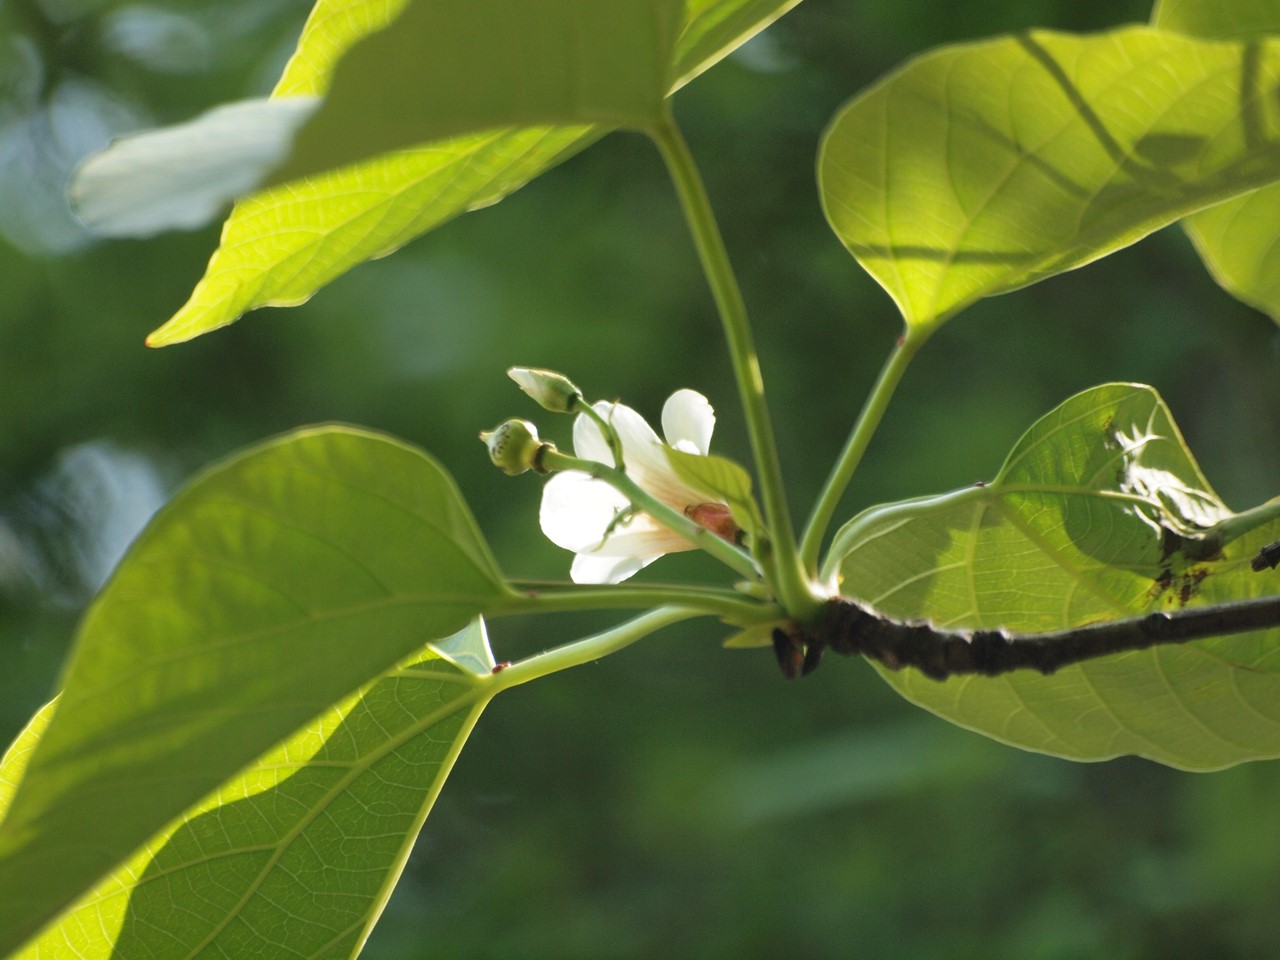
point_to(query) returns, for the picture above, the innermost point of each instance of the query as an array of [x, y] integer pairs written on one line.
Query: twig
[[850, 628], [1268, 558]]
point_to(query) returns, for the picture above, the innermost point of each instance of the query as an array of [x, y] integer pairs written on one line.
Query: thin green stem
[[863, 430], [779, 556], [725, 604], [673, 520], [590, 648]]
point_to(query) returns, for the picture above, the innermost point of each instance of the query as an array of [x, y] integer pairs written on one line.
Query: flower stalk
[[588, 649]]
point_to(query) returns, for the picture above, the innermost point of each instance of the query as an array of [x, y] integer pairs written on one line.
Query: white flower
[[578, 511]]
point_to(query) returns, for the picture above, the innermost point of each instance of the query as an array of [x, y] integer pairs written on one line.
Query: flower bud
[[552, 391], [514, 447]]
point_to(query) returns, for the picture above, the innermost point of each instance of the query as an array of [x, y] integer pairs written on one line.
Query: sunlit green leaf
[[722, 480], [1218, 19], [1239, 241], [713, 29], [451, 67], [1093, 517], [311, 835], [468, 649], [280, 246], [1240, 244], [273, 586], [978, 169], [760, 635], [14, 762]]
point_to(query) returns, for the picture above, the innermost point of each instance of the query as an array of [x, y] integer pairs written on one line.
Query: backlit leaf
[[275, 585], [720, 479], [1093, 517], [1239, 241], [281, 245], [981, 168], [308, 839], [446, 68]]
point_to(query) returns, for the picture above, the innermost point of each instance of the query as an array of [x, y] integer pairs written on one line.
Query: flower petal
[[590, 568], [646, 460], [588, 442], [641, 536], [688, 421], [638, 438], [577, 510]]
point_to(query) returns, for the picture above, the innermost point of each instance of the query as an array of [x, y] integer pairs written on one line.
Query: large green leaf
[[1239, 241], [281, 245], [1093, 517], [476, 65], [1240, 245], [315, 831], [1219, 19], [450, 67], [272, 587], [978, 169]]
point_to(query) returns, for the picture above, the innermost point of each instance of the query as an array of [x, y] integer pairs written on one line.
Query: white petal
[[577, 510], [589, 568], [588, 441], [688, 419], [642, 536], [647, 462], [638, 438]]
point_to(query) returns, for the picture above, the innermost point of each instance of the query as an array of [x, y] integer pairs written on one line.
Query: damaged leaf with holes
[[1099, 513]]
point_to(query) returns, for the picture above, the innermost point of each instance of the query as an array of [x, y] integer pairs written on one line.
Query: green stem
[[1235, 527], [863, 430], [725, 604], [779, 557], [590, 648], [723, 550]]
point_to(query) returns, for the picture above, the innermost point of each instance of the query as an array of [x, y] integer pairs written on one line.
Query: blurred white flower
[[581, 514]]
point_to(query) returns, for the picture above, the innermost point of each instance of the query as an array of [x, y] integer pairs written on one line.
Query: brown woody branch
[[939, 654]]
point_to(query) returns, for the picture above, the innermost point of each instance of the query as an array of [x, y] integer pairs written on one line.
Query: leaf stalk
[[859, 438], [779, 557]]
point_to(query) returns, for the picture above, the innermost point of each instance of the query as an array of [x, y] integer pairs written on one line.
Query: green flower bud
[[514, 447], [552, 391]]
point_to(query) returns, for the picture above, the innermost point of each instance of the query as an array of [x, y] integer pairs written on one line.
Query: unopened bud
[[552, 391], [514, 447]]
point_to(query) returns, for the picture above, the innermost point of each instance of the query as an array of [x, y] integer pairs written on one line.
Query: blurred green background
[[677, 799]]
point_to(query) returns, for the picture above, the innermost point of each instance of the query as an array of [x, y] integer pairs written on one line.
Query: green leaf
[[979, 169], [1094, 516], [315, 831], [281, 245], [722, 480], [713, 29], [468, 649], [273, 586], [759, 635], [1239, 241], [450, 67], [1218, 19], [14, 762]]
